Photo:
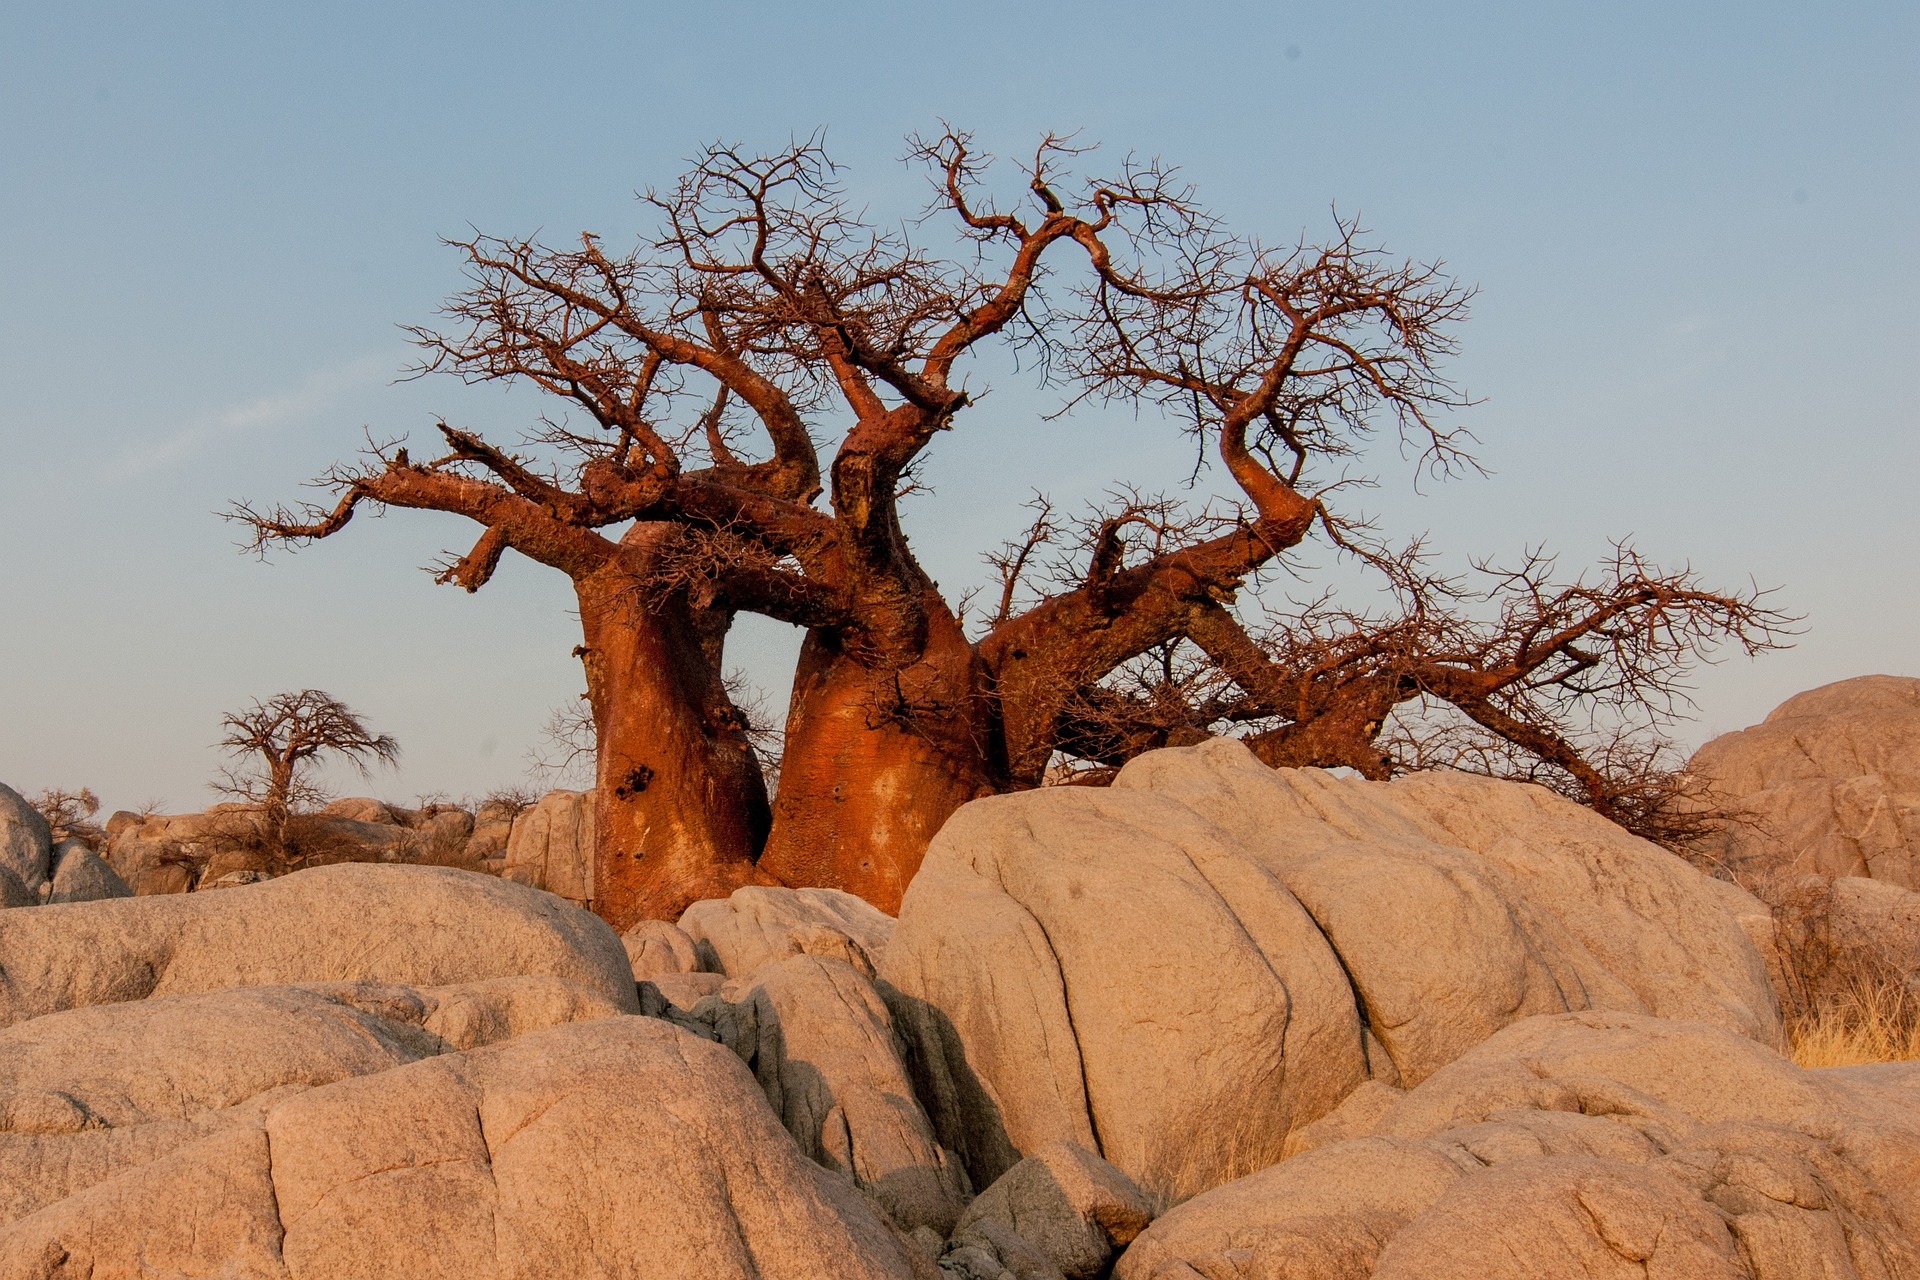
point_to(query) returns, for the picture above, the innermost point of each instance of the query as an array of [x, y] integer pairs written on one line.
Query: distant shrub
[[70, 815], [514, 801]]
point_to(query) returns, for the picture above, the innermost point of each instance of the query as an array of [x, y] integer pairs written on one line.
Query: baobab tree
[[768, 322], [279, 740]]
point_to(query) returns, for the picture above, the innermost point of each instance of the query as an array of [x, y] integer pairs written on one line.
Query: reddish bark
[[680, 803], [766, 307], [876, 761]]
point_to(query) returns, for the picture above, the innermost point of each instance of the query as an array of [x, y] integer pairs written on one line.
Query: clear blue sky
[[1693, 227]]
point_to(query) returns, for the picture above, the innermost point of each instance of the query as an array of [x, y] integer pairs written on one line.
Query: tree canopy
[[748, 391]]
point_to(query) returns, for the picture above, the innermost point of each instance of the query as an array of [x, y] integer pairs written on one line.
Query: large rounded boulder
[[1828, 784], [26, 844], [1581, 1144], [619, 1146], [412, 1071], [422, 926], [1215, 947]]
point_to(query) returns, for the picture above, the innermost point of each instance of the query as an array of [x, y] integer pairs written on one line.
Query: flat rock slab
[[612, 1148], [421, 926]]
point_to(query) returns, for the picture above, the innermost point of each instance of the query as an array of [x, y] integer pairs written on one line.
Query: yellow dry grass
[[1867, 1022]]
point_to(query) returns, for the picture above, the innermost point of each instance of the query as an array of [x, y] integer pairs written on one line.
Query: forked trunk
[[681, 808], [875, 762]]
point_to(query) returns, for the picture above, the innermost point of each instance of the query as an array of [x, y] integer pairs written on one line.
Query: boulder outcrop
[[1839, 939], [176, 853], [656, 948], [551, 846], [1214, 1022], [471, 1165], [757, 926], [422, 926], [26, 843], [79, 875], [492, 828], [361, 1070], [1828, 784], [1074, 1207], [825, 1052], [1577, 1144], [224, 845], [1215, 946], [87, 1093], [15, 894], [1878, 924]]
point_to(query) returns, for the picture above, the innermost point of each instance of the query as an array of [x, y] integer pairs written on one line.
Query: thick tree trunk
[[278, 802], [876, 761], [681, 810]]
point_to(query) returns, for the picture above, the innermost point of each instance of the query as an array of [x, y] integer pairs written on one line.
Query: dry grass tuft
[[1845, 1004], [1863, 1022]]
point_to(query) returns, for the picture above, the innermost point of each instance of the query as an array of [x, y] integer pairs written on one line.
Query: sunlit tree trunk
[[876, 761], [681, 806]]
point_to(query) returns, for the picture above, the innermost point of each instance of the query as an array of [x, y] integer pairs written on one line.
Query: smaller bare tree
[[69, 815], [277, 742]]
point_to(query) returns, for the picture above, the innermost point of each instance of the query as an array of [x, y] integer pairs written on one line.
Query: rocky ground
[[1216, 1022]]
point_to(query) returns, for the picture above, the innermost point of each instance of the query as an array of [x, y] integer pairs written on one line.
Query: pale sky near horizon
[[1692, 226]]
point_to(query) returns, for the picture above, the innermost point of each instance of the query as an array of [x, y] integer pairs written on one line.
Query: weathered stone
[[1569, 1216], [1325, 1215], [1074, 1207], [440, 835], [990, 1250], [1081, 959], [81, 876], [362, 809], [88, 1093], [1827, 784], [174, 1057], [424, 926], [25, 840], [1215, 946], [338, 839], [1837, 939], [551, 846], [471, 1015], [758, 926], [1878, 923], [163, 878], [185, 839], [229, 867], [15, 894], [471, 1166], [685, 991], [492, 827], [1589, 1144], [657, 947], [826, 1055], [1508, 900]]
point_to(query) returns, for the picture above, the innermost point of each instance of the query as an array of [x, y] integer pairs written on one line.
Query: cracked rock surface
[[373, 1071], [1179, 971], [615, 1147], [422, 926], [1579, 1144], [1829, 784]]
